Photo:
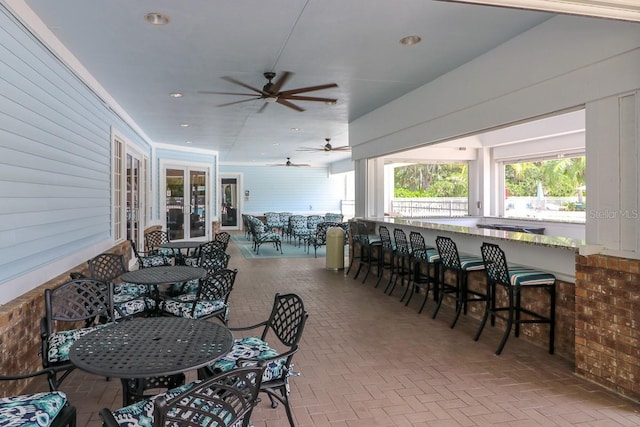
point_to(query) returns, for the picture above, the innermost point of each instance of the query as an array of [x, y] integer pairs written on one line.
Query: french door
[[134, 197], [186, 205], [231, 203]]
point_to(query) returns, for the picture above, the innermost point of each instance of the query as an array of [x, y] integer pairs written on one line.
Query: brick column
[[607, 321]]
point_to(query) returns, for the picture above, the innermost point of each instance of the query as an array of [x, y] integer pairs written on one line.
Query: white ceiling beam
[[626, 10]]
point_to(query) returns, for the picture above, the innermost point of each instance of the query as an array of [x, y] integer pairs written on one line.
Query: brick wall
[[607, 320], [20, 328]]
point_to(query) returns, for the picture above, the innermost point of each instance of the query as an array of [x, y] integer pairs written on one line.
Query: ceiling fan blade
[[309, 89], [206, 92], [289, 104], [309, 149], [239, 83], [281, 81], [237, 102], [343, 148], [309, 98]]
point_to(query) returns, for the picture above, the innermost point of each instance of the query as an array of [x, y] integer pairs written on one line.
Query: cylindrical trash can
[[335, 248]]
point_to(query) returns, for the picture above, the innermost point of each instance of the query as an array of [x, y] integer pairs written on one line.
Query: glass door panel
[[175, 182], [186, 203], [198, 187], [133, 198], [230, 202]]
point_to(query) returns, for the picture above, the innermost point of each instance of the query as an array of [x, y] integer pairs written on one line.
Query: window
[[430, 189], [552, 189]]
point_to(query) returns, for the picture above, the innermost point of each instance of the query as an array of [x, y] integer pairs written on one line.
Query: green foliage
[[559, 178], [431, 180]]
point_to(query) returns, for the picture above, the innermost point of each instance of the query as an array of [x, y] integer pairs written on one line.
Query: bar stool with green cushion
[[370, 250], [424, 263], [387, 254], [402, 260], [461, 265], [356, 247], [515, 278]]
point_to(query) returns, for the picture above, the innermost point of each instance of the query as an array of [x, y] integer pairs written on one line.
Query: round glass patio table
[[151, 347]]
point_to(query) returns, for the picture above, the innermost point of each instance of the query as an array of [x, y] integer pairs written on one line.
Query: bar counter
[[549, 253]]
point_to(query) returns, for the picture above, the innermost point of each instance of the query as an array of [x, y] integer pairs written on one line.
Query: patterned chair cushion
[[522, 276], [182, 306], [471, 263], [31, 410], [131, 289], [253, 348], [154, 260], [60, 342], [140, 414], [268, 236], [126, 306], [429, 255]]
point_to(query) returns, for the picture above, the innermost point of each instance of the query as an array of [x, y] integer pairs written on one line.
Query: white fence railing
[[420, 208]]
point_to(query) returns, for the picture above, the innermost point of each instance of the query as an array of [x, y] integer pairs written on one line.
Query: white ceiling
[[354, 43]]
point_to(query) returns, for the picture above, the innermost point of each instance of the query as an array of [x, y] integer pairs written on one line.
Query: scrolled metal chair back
[[214, 259], [79, 300], [217, 285], [385, 237]]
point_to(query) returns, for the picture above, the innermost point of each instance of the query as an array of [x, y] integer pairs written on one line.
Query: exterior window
[[426, 190], [546, 189]]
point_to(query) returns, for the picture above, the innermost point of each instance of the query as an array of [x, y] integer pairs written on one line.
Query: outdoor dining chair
[[285, 325], [225, 399], [129, 299], [80, 301], [35, 409], [210, 300]]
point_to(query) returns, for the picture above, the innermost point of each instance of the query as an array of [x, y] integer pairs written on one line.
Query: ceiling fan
[[290, 163], [271, 92], [326, 147]]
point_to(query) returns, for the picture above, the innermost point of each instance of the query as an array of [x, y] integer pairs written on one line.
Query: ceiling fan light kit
[[271, 92]]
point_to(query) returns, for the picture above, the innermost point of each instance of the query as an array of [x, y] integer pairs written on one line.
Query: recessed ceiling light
[[155, 18], [331, 102], [184, 125], [276, 144], [410, 40], [188, 142], [176, 95], [295, 129]]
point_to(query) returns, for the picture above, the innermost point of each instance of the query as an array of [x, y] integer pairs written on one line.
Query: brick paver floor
[[367, 360]]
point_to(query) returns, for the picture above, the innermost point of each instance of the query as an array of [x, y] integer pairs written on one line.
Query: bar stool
[[424, 260], [369, 252], [356, 247], [385, 261], [401, 260], [514, 279], [462, 265]]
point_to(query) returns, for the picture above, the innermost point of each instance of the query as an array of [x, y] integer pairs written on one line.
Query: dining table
[[183, 248], [140, 348]]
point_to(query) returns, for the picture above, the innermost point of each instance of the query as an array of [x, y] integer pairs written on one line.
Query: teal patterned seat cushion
[[253, 348], [154, 260], [130, 289], [140, 414], [182, 306], [126, 305], [60, 342], [31, 410]]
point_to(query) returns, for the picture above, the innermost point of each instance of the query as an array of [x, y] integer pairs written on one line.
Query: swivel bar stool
[[461, 265], [514, 279]]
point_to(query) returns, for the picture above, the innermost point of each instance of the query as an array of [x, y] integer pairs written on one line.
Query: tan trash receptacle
[[335, 248]]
